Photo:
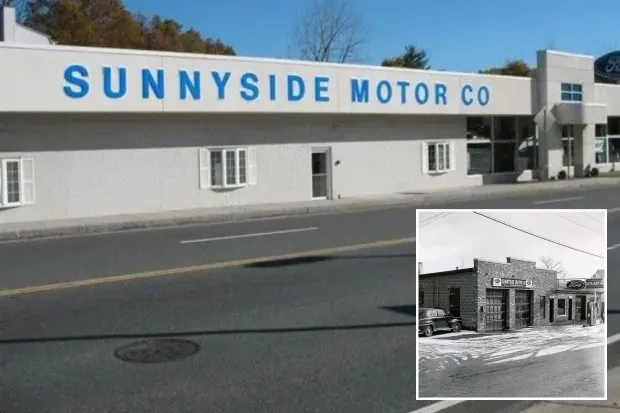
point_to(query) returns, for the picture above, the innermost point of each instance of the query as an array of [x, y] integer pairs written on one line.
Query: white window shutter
[[252, 169], [424, 157], [27, 165], [452, 149], [204, 170]]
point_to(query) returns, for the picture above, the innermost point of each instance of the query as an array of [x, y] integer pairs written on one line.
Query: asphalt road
[[330, 333]]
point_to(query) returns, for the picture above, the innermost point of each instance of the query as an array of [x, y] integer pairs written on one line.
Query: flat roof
[[449, 272]]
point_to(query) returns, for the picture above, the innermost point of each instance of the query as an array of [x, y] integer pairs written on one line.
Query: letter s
[[77, 87]]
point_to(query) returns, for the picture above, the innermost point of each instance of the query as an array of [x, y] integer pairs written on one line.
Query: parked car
[[436, 319]]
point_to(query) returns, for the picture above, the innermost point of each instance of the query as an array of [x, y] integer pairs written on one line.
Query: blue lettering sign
[[321, 89], [483, 95], [441, 94], [272, 87], [295, 83], [421, 93], [249, 87], [466, 92], [384, 91], [188, 85], [151, 84], [76, 84], [359, 90], [220, 83], [108, 90], [403, 90]]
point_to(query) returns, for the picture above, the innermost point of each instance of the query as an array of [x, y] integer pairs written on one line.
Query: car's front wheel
[[456, 328], [428, 331]]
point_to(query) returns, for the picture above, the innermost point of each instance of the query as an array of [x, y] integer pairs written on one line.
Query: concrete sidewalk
[[40, 229], [612, 404]]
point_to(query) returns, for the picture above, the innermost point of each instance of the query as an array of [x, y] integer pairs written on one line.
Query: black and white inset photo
[[511, 304]]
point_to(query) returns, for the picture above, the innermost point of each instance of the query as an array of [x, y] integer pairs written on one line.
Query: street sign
[[544, 119], [575, 285], [511, 282], [594, 283]]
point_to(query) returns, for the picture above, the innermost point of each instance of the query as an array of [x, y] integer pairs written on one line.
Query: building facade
[[88, 132], [495, 296]]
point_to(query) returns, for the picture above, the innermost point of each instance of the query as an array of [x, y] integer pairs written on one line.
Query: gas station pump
[[590, 313]]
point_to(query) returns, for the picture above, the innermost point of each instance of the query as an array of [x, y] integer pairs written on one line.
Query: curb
[[408, 200]]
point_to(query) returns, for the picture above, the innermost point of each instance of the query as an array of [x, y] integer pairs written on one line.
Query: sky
[[455, 239], [458, 35]]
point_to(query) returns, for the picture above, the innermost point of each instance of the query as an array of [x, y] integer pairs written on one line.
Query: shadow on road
[[321, 258], [402, 309], [408, 324]]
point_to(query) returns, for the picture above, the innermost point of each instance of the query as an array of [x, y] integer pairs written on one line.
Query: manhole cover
[[157, 351]]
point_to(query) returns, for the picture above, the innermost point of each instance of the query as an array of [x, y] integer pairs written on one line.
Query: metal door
[[321, 180], [495, 318], [523, 306]]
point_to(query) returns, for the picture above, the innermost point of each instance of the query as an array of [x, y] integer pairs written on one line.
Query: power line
[[592, 218], [536, 235], [568, 218], [436, 218]]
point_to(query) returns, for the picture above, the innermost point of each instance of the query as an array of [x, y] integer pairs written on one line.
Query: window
[[438, 157], [441, 313], [527, 151], [562, 306], [16, 182], [227, 167], [572, 92], [432, 313], [543, 306], [601, 143]]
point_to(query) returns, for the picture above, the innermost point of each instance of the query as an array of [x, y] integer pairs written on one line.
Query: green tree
[[412, 58], [511, 68], [108, 23]]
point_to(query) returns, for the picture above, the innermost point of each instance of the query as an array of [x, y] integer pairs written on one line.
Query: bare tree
[[552, 264], [329, 31]]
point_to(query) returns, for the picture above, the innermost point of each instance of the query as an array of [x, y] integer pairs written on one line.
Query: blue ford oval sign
[[608, 65]]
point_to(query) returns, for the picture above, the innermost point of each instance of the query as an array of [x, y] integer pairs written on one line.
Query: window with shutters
[[16, 182], [227, 167]]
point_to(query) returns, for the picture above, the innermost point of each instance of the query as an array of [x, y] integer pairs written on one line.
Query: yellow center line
[[196, 268]]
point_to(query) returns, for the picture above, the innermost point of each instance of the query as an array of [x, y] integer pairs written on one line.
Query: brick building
[[494, 296]]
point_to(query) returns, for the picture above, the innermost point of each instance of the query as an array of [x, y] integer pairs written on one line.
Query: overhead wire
[[535, 235]]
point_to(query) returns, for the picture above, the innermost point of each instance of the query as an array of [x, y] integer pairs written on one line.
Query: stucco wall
[[107, 165], [74, 79]]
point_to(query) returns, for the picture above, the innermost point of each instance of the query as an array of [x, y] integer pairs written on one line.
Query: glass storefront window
[[504, 156], [478, 158], [478, 127], [527, 151], [505, 128], [614, 149], [600, 132], [613, 125]]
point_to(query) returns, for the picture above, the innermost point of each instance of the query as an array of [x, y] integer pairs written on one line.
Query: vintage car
[[436, 319]]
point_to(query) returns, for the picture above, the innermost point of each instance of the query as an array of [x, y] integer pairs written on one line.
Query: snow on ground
[[468, 346]]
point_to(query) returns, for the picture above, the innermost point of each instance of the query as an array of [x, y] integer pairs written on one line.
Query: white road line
[[258, 234], [613, 247], [613, 339], [439, 406], [585, 346], [549, 201]]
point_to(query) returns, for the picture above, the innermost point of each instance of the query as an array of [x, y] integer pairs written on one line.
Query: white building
[[91, 132]]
